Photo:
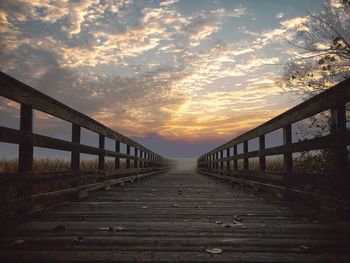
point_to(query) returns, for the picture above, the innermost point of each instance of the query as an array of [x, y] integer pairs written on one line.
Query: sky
[[181, 77]]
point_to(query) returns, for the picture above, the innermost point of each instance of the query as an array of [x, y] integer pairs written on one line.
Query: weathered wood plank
[[174, 218]]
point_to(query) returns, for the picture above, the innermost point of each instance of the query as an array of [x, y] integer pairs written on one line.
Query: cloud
[[293, 23], [279, 15], [168, 2], [142, 67]]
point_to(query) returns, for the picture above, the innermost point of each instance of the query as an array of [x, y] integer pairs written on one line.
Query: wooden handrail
[[333, 99], [31, 99]]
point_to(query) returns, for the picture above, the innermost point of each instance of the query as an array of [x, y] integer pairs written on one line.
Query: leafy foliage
[[322, 56]]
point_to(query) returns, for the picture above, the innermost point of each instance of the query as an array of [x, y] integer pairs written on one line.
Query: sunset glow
[[184, 70]]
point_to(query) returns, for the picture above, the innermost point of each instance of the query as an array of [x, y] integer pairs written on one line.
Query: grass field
[[45, 165]]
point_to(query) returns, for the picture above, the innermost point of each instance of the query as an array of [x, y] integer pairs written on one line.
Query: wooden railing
[[333, 99], [25, 183], [30, 99]]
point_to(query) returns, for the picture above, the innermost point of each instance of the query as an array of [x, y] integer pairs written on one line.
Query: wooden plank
[[14, 136], [262, 159], [25, 150], [245, 160], [340, 151], [175, 217], [313, 144], [101, 156], [288, 157], [117, 159], [75, 155]]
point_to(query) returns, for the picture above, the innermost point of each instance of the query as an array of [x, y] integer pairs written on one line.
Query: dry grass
[[55, 165], [273, 164]]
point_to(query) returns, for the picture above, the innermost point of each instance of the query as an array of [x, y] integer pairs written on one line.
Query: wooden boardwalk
[[176, 217]]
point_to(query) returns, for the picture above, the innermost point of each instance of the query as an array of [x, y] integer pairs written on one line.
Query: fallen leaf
[[304, 247], [218, 222], [144, 207], [104, 228], [17, 242], [79, 239], [214, 250], [238, 219], [176, 205], [119, 228]]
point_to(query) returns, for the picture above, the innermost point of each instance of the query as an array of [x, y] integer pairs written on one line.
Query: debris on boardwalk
[[214, 250], [246, 228]]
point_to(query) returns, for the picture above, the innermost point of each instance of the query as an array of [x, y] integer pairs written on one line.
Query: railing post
[[262, 159], [117, 159], [288, 157], [75, 154], [140, 159], [101, 156], [221, 161], [340, 152], [127, 158], [228, 161], [148, 160], [245, 160], [25, 153], [136, 166], [217, 161], [235, 161]]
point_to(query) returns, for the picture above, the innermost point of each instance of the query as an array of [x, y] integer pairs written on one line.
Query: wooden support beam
[[288, 157], [228, 161], [141, 161], [101, 156], [136, 160], [221, 162], [117, 159], [25, 157], [128, 159], [245, 160], [75, 154], [262, 159], [340, 151], [235, 162]]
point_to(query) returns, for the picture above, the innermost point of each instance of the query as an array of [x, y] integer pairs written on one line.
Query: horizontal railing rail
[[31, 99], [333, 99]]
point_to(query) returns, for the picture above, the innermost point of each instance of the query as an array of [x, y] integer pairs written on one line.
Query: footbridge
[[231, 208]]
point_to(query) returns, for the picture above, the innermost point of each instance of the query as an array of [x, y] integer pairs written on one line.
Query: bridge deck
[[176, 218]]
